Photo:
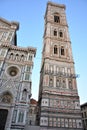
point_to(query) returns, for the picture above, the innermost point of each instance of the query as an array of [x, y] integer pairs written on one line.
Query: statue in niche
[[24, 94], [57, 83], [64, 84], [22, 58], [70, 84], [51, 82], [17, 57], [11, 56]]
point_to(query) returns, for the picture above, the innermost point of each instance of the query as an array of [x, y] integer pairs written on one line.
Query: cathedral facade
[[59, 105], [16, 64]]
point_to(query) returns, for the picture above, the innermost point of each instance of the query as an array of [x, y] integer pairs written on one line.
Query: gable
[[4, 24]]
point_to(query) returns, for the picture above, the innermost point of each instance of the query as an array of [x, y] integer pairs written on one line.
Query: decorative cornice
[[20, 63], [56, 5], [25, 49], [12, 24]]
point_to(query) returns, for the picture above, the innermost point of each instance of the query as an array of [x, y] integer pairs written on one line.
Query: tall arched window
[[62, 51], [61, 34], [55, 32], [56, 19], [55, 49]]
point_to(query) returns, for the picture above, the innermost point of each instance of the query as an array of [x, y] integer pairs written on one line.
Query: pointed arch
[[55, 32], [56, 17], [55, 49], [62, 50], [6, 97], [61, 33]]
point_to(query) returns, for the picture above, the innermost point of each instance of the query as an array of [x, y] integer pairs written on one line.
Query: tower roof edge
[[57, 5]]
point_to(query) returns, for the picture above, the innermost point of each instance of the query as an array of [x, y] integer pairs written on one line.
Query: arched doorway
[[3, 118], [6, 98]]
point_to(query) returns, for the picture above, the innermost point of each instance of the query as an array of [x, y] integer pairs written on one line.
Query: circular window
[[12, 71]]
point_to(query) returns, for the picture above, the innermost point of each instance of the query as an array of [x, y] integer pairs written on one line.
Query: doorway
[[3, 118]]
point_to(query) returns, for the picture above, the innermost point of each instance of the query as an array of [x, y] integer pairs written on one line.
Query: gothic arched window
[[62, 51], [55, 32], [56, 19], [55, 49], [61, 34]]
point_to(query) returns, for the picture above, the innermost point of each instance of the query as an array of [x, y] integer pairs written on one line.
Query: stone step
[[32, 128]]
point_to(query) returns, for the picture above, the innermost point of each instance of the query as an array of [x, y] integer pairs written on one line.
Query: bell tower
[[58, 96]]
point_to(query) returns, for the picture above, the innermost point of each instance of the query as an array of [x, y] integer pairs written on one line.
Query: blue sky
[[30, 15]]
